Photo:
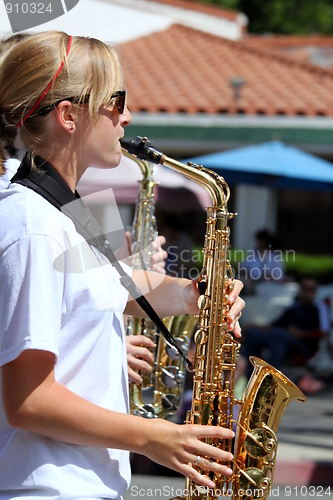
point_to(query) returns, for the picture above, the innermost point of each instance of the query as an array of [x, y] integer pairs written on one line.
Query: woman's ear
[[65, 116]]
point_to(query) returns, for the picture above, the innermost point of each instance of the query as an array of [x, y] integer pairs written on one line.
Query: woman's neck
[[66, 167]]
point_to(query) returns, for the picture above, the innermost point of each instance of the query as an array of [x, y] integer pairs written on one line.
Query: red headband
[[48, 87]]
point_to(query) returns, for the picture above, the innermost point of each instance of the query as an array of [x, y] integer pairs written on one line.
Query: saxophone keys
[[170, 402], [270, 445], [200, 337], [172, 352], [202, 490], [254, 479], [260, 442], [203, 302], [183, 344], [172, 376]]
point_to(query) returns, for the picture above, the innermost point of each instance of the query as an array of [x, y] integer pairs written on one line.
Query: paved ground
[[304, 467]]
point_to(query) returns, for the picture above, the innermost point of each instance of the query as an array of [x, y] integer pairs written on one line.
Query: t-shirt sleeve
[[31, 293]]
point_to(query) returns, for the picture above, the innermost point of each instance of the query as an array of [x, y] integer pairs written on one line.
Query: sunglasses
[[119, 96]]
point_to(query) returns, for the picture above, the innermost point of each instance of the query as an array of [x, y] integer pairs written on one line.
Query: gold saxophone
[[160, 393], [268, 391]]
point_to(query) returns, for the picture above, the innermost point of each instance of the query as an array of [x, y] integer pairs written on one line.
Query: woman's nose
[[126, 117]]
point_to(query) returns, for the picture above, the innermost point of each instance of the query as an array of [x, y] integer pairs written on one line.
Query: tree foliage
[[284, 17]]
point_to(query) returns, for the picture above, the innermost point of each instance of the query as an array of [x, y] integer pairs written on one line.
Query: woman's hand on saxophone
[[158, 254], [139, 357], [237, 305], [179, 447], [190, 295]]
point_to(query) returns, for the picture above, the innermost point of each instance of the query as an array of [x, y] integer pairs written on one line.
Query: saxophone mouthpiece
[[141, 148]]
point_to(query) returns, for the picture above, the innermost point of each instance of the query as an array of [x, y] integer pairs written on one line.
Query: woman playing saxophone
[[65, 427]]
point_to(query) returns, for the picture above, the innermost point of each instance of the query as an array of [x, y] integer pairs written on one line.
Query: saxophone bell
[[264, 401]]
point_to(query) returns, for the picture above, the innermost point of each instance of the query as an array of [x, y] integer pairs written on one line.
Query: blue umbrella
[[272, 163]]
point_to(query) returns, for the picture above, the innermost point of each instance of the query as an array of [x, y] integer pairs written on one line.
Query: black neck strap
[[50, 185]]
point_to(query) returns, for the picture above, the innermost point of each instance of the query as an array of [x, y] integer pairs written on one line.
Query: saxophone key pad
[[169, 377], [200, 337], [256, 443]]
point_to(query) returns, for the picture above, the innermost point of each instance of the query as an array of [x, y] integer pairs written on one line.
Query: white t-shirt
[[60, 295]]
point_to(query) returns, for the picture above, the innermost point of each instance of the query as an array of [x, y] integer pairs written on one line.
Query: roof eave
[[186, 135]]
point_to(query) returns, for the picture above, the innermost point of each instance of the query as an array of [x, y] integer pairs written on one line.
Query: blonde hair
[[7, 43], [29, 66]]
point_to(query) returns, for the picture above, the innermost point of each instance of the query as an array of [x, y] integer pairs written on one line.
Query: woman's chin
[[111, 163], [117, 160]]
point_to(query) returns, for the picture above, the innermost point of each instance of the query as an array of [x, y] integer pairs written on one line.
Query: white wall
[[257, 209]]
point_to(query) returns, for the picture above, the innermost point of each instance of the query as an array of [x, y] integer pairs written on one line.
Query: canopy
[[272, 163]]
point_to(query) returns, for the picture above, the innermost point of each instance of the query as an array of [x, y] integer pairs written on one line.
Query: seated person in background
[[297, 331], [264, 263]]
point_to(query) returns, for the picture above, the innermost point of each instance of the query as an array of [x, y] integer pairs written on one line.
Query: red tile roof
[[181, 70]]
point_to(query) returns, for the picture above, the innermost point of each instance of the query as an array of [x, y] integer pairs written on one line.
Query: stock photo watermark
[[246, 264], [24, 15], [267, 265], [197, 491]]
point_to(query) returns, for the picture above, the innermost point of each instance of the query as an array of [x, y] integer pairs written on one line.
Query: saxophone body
[[160, 393], [268, 391]]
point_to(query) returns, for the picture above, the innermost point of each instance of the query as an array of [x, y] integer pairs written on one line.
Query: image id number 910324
[[301, 491], [28, 8]]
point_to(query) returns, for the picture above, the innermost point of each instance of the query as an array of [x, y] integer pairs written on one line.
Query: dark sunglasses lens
[[120, 102]]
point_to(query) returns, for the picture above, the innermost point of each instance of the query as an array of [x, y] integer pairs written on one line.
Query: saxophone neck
[[144, 224], [147, 170], [214, 184]]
